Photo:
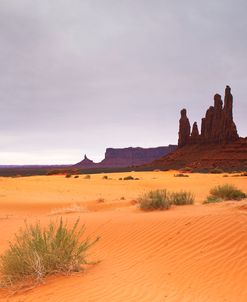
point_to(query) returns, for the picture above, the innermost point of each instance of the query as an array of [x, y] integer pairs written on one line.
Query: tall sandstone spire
[[184, 129], [217, 126]]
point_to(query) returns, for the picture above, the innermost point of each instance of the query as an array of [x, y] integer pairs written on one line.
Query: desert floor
[[188, 253]]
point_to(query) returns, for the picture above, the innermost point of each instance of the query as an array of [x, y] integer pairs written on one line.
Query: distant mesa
[[216, 145], [126, 157]]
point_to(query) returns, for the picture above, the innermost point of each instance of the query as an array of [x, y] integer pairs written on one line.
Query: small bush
[[105, 177], [182, 198], [128, 178], [38, 252], [155, 200], [216, 171], [225, 192], [181, 175], [212, 199], [76, 176], [120, 178], [68, 175], [87, 177], [99, 200]]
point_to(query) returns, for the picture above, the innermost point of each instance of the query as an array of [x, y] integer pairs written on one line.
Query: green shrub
[[155, 200], [182, 198], [128, 178], [225, 192], [38, 252], [216, 171]]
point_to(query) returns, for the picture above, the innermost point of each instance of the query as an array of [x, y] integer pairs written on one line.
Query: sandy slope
[[190, 253]]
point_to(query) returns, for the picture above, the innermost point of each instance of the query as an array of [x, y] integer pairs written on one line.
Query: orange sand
[[189, 253]]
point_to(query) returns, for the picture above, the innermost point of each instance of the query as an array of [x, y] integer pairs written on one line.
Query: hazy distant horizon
[[78, 77]]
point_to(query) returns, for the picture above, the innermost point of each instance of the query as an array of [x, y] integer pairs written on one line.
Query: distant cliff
[[127, 157]]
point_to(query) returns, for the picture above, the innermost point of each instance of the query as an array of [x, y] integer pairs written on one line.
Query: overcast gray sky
[[78, 76]]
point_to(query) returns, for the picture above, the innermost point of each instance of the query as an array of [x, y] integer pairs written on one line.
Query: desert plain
[[191, 253]]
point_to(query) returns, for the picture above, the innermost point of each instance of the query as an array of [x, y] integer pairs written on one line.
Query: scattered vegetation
[[155, 200], [216, 171], [225, 192], [105, 177], [87, 176], [128, 178], [68, 175], [38, 252], [181, 198], [76, 176], [181, 175]]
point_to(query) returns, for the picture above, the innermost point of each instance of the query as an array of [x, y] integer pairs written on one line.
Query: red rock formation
[[195, 137], [218, 145], [184, 129], [229, 132]]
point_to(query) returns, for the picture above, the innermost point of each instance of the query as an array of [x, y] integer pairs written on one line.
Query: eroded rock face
[[184, 129], [217, 126]]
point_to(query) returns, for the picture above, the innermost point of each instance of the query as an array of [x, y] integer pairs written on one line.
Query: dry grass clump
[[182, 198], [225, 192], [105, 177], [180, 175], [38, 252], [155, 200], [87, 176], [163, 199]]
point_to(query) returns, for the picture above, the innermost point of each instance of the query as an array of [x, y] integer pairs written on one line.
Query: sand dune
[[189, 253]]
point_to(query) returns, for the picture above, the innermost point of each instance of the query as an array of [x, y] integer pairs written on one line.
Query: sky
[[80, 76]]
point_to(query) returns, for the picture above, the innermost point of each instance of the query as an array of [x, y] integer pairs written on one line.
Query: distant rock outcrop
[[217, 126], [86, 162], [127, 157], [218, 144]]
